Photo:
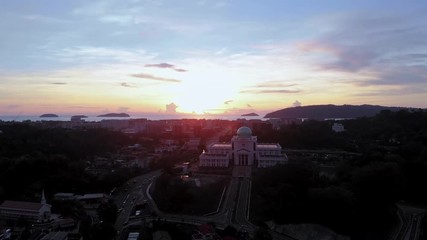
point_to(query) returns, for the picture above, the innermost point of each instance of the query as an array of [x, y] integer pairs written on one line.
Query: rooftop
[[63, 194], [31, 206], [221, 145], [55, 236], [91, 196], [268, 145]]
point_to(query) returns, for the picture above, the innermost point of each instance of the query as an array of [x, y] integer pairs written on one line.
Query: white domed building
[[244, 150]]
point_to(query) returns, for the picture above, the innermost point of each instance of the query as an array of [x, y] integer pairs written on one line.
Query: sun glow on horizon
[[200, 101], [203, 90], [93, 57]]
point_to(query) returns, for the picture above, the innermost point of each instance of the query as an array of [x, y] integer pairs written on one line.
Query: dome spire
[[43, 201], [244, 132]]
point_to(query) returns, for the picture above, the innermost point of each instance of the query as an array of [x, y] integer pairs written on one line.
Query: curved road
[[233, 210]]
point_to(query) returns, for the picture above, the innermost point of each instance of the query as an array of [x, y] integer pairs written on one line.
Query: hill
[[330, 111], [114, 115], [250, 115], [48, 115]]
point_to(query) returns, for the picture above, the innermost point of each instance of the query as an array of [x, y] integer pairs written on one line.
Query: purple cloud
[[272, 87], [413, 77], [272, 91], [160, 65], [339, 57], [152, 77], [128, 85], [356, 43], [166, 65], [275, 84]]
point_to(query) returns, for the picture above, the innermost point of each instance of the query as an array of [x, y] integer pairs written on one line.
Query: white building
[[244, 150], [31, 211], [338, 127]]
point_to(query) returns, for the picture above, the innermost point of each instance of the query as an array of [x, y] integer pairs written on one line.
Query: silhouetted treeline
[[33, 158], [358, 196], [20, 138], [310, 134], [172, 194]]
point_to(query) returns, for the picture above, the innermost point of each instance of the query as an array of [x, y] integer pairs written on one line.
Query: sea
[[137, 116]]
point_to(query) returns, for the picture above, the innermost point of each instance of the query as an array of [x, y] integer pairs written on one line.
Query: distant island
[[48, 115], [114, 115], [250, 115], [331, 111]]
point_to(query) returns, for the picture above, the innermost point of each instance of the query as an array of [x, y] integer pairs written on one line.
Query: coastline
[[64, 118]]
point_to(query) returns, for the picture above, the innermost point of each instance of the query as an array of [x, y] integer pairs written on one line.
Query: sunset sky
[[214, 56]]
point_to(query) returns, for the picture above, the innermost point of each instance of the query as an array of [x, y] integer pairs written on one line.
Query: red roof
[[206, 228], [32, 206]]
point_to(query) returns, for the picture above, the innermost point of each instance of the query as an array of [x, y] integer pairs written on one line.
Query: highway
[[410, 226], [131, 194], [233, 211]]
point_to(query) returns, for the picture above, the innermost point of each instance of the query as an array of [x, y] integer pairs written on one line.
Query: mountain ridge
[[114, 115], [331, 111]]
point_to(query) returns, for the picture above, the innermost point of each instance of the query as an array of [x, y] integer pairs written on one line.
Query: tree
[[262, 234], [332, 207], [103, 231], [378, 182], [107, 212]]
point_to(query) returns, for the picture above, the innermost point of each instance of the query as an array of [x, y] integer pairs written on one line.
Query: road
[[131, 194], [234, 209], [410, 226]]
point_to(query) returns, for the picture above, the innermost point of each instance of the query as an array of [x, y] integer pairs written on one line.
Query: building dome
[[244, 132]]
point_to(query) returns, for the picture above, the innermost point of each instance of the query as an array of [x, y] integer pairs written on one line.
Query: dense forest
[[32, 158], [360, 198], [173, 194]]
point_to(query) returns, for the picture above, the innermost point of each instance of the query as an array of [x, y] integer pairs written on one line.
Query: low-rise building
[[31, 211], [89, 201], [193, 143], [92, 200], [64, 196], [338, 127]]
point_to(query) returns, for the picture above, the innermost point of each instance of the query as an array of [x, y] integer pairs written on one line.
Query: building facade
[[244, 150], [31, 211]]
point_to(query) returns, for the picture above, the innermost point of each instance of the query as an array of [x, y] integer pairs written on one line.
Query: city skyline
[[219, 57]]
